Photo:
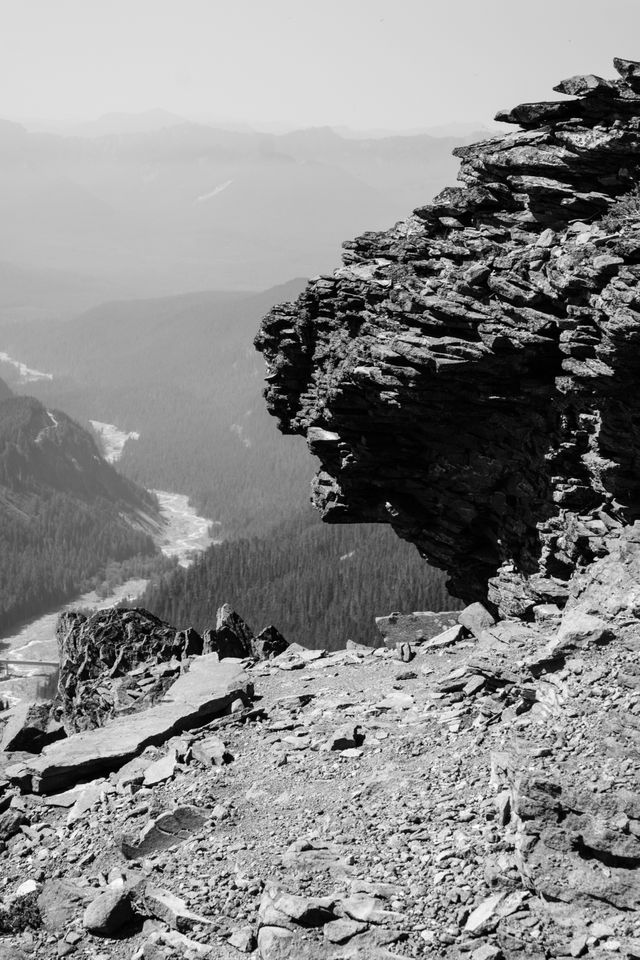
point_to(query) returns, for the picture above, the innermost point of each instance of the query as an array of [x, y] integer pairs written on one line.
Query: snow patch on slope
[[27, 374], [113, 439], [214, 192]]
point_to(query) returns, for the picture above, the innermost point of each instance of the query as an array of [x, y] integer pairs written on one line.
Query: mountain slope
[[5, 390], [64, 511], [182, 372]]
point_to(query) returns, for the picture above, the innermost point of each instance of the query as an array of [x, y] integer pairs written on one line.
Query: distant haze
[[364, 64], [157, 147]]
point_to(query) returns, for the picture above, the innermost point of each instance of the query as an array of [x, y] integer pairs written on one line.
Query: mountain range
[[187, 206]]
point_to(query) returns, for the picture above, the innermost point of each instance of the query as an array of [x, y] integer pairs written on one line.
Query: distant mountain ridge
[[188, 206], [45, 449]]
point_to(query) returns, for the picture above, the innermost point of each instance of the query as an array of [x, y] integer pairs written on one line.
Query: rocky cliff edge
[[469, 376]]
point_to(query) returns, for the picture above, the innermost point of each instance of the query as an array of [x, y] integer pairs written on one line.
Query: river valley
[[184, 536]]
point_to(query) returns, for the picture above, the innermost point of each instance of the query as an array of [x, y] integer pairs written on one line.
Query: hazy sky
[[364, 63]]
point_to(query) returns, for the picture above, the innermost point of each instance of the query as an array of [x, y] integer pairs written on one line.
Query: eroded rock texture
[[114, 662], [470, 375]]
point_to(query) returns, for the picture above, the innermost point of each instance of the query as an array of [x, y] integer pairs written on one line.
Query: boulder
[[171, 909], [367, 909], [159, 771], [579, 630], [243, 939], [484, 914], [211, 752], [10, 822], [114, 650], [345, 738], [446, 639], [109, 912], [476, 619], [87, 798], [341, 931], [268, 644], [281, 909], [275, 943], [574, 845], [231, 637], [404, 653], [190, 642]]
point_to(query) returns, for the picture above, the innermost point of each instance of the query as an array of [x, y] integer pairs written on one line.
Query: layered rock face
[[120, 662], [469, 376]]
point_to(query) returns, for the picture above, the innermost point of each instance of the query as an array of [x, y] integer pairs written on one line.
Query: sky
[[392, 64]]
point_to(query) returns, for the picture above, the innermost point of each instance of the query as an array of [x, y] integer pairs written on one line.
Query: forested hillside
[[64, 512], [320, 585], [5, 390], [183, 373]]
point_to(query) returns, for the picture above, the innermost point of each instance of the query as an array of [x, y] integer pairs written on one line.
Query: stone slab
[[209, 687]]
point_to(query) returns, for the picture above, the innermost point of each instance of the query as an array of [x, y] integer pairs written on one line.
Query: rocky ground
[[476, 799]]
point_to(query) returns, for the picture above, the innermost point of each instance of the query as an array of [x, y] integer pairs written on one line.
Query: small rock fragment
[[211, 752], [404, 652], [160, 770], [341, 931], [172, 910], [243, 939]]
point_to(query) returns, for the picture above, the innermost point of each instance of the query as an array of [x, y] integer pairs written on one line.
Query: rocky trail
[[471, 794]]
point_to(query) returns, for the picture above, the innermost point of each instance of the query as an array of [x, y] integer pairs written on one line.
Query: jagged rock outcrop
[[115, 662], [469, 376], [233, 637], [119, 662]]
